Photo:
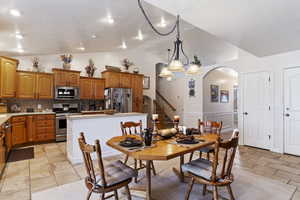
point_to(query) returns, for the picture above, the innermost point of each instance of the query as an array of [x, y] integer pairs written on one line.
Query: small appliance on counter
[[118, 99], [62, 110]]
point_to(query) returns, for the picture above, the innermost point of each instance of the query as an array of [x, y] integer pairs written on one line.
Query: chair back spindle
[[129, 128], [209, 126]]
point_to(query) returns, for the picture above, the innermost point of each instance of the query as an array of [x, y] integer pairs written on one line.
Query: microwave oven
[[66, 93]]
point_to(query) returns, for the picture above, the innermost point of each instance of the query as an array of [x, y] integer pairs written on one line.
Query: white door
[[292, 110], [257, 116]]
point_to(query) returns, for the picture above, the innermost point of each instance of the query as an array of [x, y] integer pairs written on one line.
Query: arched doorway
[[220, 98]]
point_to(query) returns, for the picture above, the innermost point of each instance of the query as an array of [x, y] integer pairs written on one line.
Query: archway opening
[[220, 98]]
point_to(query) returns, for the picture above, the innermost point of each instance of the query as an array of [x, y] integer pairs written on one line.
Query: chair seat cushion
[[199, 167], [208, 149], [116, 172]]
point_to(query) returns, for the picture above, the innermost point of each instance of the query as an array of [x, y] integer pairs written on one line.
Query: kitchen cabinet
[[44, 127], [19, 130], [8, 136], [26, 85], [137, 93], [91, 88], [125, 80], [112, 79], [30, 128], [32, 85], [8, 68], [44, 86], [64, 77]]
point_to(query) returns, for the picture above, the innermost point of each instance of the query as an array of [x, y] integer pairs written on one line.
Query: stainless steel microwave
[[66, 93]]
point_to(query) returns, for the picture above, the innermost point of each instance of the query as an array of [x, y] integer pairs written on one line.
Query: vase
[[67, 66]]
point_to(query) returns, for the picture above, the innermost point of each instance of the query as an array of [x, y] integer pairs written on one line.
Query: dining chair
[[209, 173], [110, 178], [205, 127], [136, 128]]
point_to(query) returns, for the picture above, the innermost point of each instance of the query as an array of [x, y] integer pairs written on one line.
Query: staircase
[[165, 111]]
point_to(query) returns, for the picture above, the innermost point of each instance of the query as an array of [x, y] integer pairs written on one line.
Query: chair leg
[[207, 155], [89, 194], [116, 194], [190, 187], [103, 196], [128, 192], [153, 168], [135, 167], [126, 159], [200, 154], [141, 164], [204, 190], [215, 192], [230, 192], [191, 156]]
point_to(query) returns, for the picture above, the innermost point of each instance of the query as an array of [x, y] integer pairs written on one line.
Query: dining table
[[162, 150]]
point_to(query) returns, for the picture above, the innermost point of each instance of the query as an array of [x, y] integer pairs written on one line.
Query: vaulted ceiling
[[56, 26], [261, 27]]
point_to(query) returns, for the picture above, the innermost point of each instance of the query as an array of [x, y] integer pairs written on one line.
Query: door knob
[[245, 113], [287, 115]]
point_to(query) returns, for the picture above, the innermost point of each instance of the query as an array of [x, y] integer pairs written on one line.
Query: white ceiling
[[261, 27], [61, 26]]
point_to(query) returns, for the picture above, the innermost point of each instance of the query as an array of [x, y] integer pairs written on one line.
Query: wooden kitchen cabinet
[[30, 128], [19, 134], [44, 86], [91, 88], [8, 68], [33, 85], [125, 80], [26, 85], [44, 127], [64, 77], [112, 79], [137, 93]]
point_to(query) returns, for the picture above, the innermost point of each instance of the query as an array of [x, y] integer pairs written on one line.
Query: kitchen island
[[97, 126]]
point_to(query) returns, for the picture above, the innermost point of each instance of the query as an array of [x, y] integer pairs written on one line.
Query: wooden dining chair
[[208, 173], [205, 127], [136, 128], [110, 178]]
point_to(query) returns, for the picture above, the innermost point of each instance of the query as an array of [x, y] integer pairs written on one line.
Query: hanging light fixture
[[194, 67], [175, 64], [165, 73]]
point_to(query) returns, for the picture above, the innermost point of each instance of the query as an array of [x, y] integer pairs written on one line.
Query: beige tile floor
[[50, 168]]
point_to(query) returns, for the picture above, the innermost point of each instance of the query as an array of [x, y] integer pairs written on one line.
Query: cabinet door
[[125, 80], [30, 128], [73, 79], [18, 133], [8, 78], [86, 88], [112, 79], [26, 84], [137, 90], [99, 86], [60, 78], [8, 139], [44, 87]]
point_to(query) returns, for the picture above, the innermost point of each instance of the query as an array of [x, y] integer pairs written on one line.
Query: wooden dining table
[[162, 150]]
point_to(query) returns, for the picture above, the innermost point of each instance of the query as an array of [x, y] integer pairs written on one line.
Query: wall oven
[[66, 93]]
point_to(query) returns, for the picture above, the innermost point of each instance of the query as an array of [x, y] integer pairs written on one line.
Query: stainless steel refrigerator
[[119, 99]]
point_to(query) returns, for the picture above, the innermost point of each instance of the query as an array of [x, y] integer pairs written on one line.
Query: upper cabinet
[[125, 80], [91, 88], [66, 77], [32, 85], [112, 79], [8, 68]]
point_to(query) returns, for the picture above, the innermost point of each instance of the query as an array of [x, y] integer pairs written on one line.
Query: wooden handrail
[[166, 101]]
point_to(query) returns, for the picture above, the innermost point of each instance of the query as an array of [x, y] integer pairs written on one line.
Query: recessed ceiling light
[[108, 19], [19, 36], [139, 36], [162, 23], [94, 36], [15, 12], [81, 48], [20, 50], [123, 46]]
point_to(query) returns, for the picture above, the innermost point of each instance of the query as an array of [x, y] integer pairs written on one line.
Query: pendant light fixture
[[165, 73]]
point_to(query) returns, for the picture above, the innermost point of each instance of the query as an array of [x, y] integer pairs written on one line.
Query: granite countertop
[[79, 116], [6, 116]]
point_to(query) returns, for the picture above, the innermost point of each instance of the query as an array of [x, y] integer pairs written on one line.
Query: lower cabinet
[[32, 128]]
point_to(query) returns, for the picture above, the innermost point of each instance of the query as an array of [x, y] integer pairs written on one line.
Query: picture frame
[[224, 96], [214, 93], [146, 82]]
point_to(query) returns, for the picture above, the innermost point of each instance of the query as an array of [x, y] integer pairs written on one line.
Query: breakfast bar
[[97, 126]]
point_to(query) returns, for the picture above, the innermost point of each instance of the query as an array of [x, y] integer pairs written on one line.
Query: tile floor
[[51, 168]]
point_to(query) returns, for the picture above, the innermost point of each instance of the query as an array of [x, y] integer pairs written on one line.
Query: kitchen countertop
[[6, 116], [104, 115]]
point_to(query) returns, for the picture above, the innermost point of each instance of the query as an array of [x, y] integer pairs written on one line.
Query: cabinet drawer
[[45, 117], [45, 123], [18, 119], [44, 130]]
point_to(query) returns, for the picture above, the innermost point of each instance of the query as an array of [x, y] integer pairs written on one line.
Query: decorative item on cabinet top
[[35, 63], [90, 69], [67, 59], [127, 64]]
